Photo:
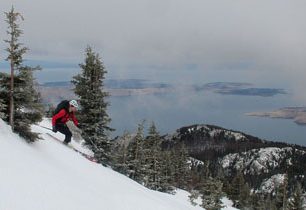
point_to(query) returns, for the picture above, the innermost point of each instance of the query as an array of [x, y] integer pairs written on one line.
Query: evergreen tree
[[2, 105], [296, 202], [240, 191], [142, 159], [199, 172], [29, 109], [245, 199], [4, 96], [120, 153], [194, 195], [270, 202], [226, 186], [15, 51], [259, 202], [168, 171], [135, 158], [93, 117], [211, 192], [24, 100], [49, 111], [155, 178], [181, 166], [281, 194]]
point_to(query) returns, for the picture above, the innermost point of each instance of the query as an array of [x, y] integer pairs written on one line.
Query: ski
[[88, 157]]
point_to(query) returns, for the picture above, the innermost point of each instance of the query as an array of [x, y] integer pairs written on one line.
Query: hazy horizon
[[263, 41]]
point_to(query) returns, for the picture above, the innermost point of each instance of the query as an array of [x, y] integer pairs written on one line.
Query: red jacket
[[63, 116]]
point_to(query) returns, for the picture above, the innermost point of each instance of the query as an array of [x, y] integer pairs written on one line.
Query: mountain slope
[[232, 151], [48, 175], [259, 161], [211, 142]]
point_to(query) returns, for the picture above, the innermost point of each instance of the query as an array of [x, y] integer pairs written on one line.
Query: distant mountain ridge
[[210, 141], [258, 159]]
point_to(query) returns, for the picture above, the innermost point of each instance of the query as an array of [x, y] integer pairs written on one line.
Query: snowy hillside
[[258, 161], [48, 175], [269, 185], [216, 131]]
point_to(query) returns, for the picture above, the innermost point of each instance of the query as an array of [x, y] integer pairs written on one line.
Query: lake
[[185, 107], [173, 110]]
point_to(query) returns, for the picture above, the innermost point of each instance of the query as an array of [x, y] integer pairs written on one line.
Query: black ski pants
[[62, 128]]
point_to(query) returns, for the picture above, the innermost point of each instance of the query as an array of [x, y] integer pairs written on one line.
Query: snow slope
[[47, 175]]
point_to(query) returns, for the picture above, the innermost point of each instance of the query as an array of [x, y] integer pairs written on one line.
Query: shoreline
[[297, 114]]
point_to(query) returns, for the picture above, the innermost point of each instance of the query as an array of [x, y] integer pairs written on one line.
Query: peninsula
[[297, 114]]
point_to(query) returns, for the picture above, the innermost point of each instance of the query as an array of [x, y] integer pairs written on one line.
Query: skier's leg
[[62, 128]]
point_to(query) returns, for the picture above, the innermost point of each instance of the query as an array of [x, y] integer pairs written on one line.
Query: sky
[[264, 39], [60, 178]]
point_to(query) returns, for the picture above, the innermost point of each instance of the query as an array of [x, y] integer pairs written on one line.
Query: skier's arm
[[59, 115], [74, 119]]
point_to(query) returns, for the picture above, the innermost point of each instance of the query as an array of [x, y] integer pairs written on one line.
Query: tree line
[[146, 160]]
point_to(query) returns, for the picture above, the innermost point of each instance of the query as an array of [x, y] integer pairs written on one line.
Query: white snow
[[264, 160], [228, 203], [269, 185], [46, 175], [215, 131]]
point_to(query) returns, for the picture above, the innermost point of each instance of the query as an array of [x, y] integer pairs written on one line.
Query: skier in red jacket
[[64, 114]]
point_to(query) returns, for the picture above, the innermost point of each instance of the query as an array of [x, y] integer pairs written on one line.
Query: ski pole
[[45, 127]]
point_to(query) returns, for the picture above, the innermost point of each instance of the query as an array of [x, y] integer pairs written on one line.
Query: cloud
[[270, 34]]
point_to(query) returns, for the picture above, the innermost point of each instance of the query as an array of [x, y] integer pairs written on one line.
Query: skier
[[64, 112]]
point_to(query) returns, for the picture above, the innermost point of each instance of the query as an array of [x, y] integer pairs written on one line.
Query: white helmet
[[74, 103]]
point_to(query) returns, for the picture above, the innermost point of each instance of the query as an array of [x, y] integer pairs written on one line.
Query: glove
[[54, 129]]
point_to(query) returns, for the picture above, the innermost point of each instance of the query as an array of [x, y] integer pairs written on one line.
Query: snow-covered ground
[[47, 175]]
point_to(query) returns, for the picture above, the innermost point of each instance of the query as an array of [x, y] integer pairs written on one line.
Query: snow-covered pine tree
[[25, 107], [2, 105], [281, 194], [93, 117], [4, 96], [181, 166], [29, 109], [211, 193], [297, 202], [194, 196], [239, 190], [50, 108], [120, 152], [168, 170], [153, 159], [135, 156]]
